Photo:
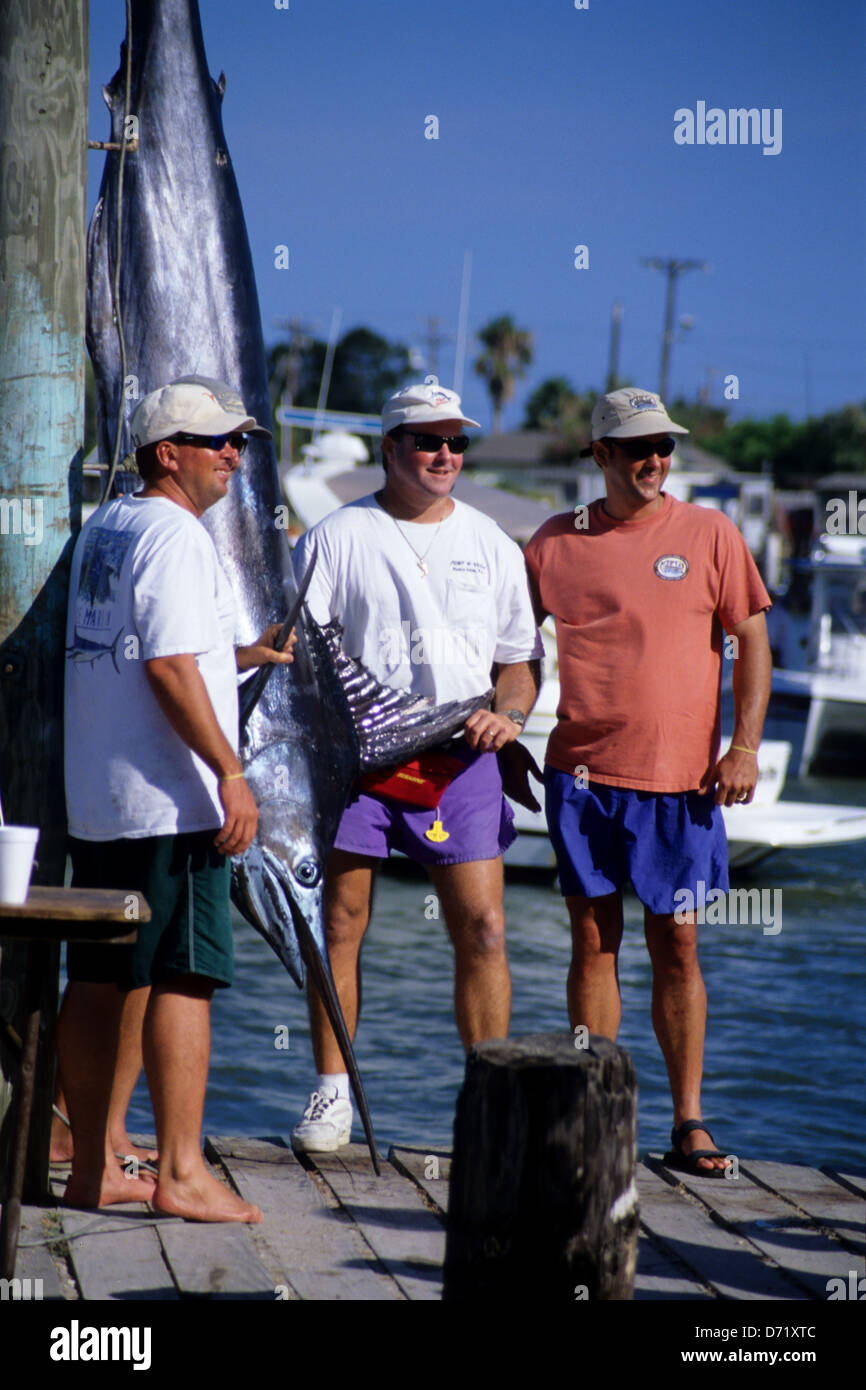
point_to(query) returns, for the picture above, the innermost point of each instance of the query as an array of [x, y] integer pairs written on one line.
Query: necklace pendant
[[423, 568]]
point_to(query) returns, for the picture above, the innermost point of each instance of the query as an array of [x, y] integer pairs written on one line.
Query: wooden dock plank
[[214, 1261], [116, 1253], [316, 1247], [659, 1276], [407, 1237], [855, 1180], [792, 1241], [418, 1163], [728, 1263], [34, 1261], [816, 1194]]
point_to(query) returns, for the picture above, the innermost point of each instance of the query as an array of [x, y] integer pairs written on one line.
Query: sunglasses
[[216, 442], [637, 449], [432, 443]]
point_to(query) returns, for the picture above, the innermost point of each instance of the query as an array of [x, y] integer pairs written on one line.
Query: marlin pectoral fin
[[320, 972], [251, 692]]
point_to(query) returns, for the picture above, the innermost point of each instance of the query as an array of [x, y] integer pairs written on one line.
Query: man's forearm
[[516, 687], [752, 676], [183, 698]]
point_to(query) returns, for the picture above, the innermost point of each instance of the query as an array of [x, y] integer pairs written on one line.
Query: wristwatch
[[517, 715]]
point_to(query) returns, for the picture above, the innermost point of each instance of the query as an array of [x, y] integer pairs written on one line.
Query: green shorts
[[186, 884]]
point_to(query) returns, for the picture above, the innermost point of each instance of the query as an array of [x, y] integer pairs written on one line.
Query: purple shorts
[[472, 821]]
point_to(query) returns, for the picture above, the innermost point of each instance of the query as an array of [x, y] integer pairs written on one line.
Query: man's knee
[[345, 924], [479, 932], [673, 945]]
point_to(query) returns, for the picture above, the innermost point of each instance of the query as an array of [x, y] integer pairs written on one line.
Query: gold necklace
[[420, 560]]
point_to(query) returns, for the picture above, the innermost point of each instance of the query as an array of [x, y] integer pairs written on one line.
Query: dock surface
[[332, 1230]]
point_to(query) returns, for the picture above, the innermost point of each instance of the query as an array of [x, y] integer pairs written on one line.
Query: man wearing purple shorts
[[643, 589], [431, 595]]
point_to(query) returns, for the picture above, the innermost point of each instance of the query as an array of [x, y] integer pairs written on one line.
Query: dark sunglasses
[[432, 443], [637, 449], [213, 441]]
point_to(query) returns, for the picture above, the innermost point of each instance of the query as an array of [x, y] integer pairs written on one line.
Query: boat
[[831, 686], [754, 831]]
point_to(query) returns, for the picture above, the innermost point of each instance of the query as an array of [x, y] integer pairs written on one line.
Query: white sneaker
[[326, 1125]]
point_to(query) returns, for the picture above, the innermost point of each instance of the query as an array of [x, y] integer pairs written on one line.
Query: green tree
[[798, 453], [547, 402], [507, 353], [367, 369]]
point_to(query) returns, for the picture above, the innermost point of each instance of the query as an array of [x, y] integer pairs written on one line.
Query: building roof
[[520, 517]]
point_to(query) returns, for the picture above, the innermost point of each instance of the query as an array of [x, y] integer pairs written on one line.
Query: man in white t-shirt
[[432, 596], [156, 798]]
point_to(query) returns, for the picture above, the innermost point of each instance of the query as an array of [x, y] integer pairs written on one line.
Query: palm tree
[[508, 352]]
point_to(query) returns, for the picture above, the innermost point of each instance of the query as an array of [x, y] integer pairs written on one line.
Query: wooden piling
[[543, 1203], [43, 138]]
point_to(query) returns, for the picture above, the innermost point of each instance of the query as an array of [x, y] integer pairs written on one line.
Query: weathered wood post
[[43, 151], [542, 1201]]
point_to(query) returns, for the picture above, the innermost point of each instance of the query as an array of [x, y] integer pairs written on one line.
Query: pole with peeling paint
[[43, 145]]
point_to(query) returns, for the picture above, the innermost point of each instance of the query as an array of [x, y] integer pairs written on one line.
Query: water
[[783, 1075]]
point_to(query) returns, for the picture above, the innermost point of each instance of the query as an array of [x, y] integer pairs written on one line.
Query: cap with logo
[[192, 405], [421, 405], [630, 414]]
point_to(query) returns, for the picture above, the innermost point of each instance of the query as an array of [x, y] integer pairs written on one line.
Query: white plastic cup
[[17, 848]]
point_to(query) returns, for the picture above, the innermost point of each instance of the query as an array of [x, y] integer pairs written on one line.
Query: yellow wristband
[[232, 776], [738, 748]]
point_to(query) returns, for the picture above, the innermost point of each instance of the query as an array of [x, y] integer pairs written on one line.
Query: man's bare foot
[[112, 1188], [124, 1147], [202, 1198]]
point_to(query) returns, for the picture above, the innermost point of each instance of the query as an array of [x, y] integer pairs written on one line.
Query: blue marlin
[[187, 304], [86, 651]]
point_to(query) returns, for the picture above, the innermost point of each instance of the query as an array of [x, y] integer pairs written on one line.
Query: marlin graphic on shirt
[[85, 651]]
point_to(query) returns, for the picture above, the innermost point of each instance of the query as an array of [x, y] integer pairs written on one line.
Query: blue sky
[[556, 129]]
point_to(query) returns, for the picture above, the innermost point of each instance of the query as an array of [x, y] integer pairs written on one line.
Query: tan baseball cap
[[192, 405], [630, 413], [421, 405]]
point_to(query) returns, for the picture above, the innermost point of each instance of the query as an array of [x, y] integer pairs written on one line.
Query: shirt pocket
[[467, 601]]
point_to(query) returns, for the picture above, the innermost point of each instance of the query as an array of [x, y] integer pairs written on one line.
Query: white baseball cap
[[421, 405], [630, 413], [192, 405]]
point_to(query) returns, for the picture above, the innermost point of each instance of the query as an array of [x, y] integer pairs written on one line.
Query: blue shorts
[[604, 836], [474, 819]]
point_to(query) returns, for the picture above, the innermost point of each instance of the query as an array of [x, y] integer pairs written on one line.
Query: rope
[[115, 285]]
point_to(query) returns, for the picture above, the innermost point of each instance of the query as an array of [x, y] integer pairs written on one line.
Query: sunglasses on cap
[[637, 449], [212, 441], [432, 443]]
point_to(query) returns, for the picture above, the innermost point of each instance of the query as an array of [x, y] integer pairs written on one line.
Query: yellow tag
[[436, 833]]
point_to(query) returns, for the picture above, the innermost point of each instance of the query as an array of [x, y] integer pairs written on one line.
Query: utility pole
[[298, 341], [435, 340], [613, 364], [673, 268]]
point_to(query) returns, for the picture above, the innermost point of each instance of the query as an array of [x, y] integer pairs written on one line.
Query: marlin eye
[[307, 872]]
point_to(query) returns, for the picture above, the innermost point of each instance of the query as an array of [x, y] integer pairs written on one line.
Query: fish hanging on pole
[[169, 269]]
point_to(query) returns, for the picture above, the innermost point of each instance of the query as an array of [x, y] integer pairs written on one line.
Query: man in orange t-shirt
[[642, 589]]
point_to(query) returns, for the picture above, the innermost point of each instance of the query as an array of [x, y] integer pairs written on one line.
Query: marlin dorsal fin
[[393, 724]]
